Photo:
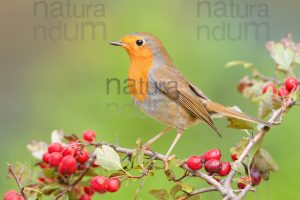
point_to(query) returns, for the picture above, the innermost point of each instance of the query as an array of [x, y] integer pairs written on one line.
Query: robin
[[163, 93]]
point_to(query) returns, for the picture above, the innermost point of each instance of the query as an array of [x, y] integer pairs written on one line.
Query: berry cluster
[[102, 184], [290, 85], [211, 161], [68, 161]]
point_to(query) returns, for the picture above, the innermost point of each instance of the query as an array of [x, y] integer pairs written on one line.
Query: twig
[[243, 193], [202, 190], [17, 179], [261, 133], [72, 185], [161, 157]]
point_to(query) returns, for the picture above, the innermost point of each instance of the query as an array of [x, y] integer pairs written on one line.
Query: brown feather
[[220, 109]]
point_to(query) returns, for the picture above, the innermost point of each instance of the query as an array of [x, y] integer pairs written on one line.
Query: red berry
[[83, 156], [68, 163], [67, 166], [55, 159], [291, 84], [213, 166], [234, 157], [255, 176], [283, 92], [55, 147], [70, 150], [99, 184], [113, 184], [267, 87], [88, 190], [85, 197], [89, 135], [46, 157], [12, 195], [212, 154], [64, 172], [242, 185], [194, 162], [225, 169]]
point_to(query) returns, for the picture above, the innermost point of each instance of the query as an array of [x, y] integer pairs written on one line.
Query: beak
[[117, 44]]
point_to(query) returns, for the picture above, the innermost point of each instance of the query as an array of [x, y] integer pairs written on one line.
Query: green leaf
[[237, 123], [160, 194], [239, 63], [284, 57], [174, 191], [49, 172], [50, 188], [108, 158], [185, 187]]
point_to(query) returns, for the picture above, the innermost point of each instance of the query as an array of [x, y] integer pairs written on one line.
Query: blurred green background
[[49, 84]]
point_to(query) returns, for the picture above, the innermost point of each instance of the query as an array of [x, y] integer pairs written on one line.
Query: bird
[[163, 93]]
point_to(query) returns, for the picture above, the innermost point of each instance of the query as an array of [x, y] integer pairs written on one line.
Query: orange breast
[[138, 83]]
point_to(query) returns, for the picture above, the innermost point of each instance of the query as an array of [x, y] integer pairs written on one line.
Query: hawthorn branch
[[88, 165], [261, 133], [17, 179], [158, 156]]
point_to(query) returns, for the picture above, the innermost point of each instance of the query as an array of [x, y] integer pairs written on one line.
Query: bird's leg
[[167, 156], [151, 141]]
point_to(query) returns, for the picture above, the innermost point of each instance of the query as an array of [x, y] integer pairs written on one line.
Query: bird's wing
[[175, 86]]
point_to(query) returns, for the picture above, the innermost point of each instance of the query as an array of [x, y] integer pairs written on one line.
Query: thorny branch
[[225, 186], [17, 179]]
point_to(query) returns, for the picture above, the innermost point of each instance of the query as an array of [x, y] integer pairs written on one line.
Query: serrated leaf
[[254, 92], [37, 149], [284, 57], [239, 63], [108, 158], [160, 194]]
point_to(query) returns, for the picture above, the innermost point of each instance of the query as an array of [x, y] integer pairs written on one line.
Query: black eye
[[139, 42]]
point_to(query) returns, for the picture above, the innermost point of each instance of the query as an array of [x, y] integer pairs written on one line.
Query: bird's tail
[[228, 112]]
